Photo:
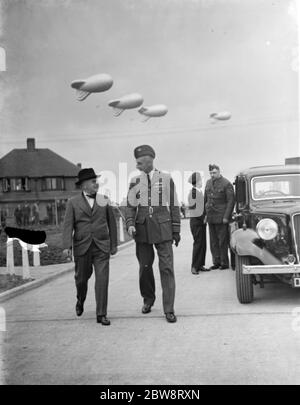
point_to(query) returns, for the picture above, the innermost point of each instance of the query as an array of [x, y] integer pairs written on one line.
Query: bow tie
[[91, 196]]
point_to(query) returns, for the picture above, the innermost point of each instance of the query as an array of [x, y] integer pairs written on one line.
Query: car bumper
[[272, 269]]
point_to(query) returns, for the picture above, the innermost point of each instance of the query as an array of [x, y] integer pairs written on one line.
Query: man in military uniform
[[219, 203], [153, 218]]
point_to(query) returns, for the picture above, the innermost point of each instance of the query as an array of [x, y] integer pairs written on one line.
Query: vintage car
[[265, 232]]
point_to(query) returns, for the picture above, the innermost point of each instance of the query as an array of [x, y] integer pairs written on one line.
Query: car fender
[[242, 243]]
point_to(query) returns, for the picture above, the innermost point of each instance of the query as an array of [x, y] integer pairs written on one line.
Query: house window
[[15, 184], [53, 183]]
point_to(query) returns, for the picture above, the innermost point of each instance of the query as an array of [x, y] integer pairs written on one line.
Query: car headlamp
[[267, 229]]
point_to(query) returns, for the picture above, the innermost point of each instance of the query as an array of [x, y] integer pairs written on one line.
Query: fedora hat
[[86, 174]]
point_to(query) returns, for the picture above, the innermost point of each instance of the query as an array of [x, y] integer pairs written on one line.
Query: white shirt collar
[[90, 200]]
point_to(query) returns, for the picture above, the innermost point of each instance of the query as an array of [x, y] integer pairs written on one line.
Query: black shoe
[[79, 308], [170, 317], [146, 308], [202, 268], [224, 267], [102, 319], [214, 267], [194, 271]]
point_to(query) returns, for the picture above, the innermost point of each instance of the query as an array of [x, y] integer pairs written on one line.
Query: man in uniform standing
[[26, 213], [153, 218], [219, 203]]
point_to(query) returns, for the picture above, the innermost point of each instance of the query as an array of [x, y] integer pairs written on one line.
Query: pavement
[[216, 340]]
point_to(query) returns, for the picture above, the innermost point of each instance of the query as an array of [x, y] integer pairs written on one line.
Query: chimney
[[30, 144], [79, 165]]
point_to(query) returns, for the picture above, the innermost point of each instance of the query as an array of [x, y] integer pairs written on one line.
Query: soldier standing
[[36, 213], [18, 215], [153, 218], [26, 213], [50, 213], [219, 203]]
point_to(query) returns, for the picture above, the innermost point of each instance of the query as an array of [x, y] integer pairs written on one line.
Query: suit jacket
[[154, 209], [82, 225], [219, 200]]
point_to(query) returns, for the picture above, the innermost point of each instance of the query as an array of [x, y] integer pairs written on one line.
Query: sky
[[195, 56]]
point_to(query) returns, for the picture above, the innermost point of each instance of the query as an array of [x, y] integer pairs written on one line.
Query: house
[[38, 178]]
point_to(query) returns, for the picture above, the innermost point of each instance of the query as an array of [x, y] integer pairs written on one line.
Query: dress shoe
[[79, 308], [170, 317], [194, 271], [102, 319], [202, 268], [146, 309], [214, 267], [224, 267]]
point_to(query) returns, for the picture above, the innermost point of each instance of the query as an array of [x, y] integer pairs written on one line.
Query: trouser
[[219, 242], [145, 256], [19, 221], [198, 229], [83, 271], [26, 220]]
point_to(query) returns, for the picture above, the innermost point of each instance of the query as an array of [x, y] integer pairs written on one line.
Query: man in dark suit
[[153, 218], [90, 224], [219, 203]]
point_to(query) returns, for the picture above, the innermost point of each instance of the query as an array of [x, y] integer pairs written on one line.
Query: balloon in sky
[[127, 102], [157, 110], [221, 116], [93, 84]]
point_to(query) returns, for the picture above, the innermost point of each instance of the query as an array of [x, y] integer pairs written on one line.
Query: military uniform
[[153, 209], [219, 203]]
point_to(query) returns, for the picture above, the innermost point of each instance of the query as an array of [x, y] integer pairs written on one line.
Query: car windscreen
[[275, 187]]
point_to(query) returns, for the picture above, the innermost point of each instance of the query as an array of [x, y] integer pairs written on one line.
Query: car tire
[[232, 259], [244, 284]]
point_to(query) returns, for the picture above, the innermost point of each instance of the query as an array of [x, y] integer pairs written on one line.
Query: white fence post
[[122, 238], [25, 264], [10, 265], [36, 259]]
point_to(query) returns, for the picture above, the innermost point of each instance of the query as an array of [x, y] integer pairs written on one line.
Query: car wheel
[[244, 284], [232, 259]]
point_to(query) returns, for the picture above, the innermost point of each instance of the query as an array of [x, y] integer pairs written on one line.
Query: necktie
[[91, 196]]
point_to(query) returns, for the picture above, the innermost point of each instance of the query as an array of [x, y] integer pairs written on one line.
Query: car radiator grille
[[296, 225]]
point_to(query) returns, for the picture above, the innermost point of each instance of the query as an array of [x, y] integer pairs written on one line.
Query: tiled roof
[[37, 163]]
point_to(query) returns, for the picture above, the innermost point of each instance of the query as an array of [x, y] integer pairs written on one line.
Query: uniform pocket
[[165, 228]]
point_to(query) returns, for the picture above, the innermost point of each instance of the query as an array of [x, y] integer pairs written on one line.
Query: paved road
[[215, 341]]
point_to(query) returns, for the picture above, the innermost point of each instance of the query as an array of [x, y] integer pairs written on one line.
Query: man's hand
[[113, 250], [131, 231], [68, 254], [176, 238], [225, 221]]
